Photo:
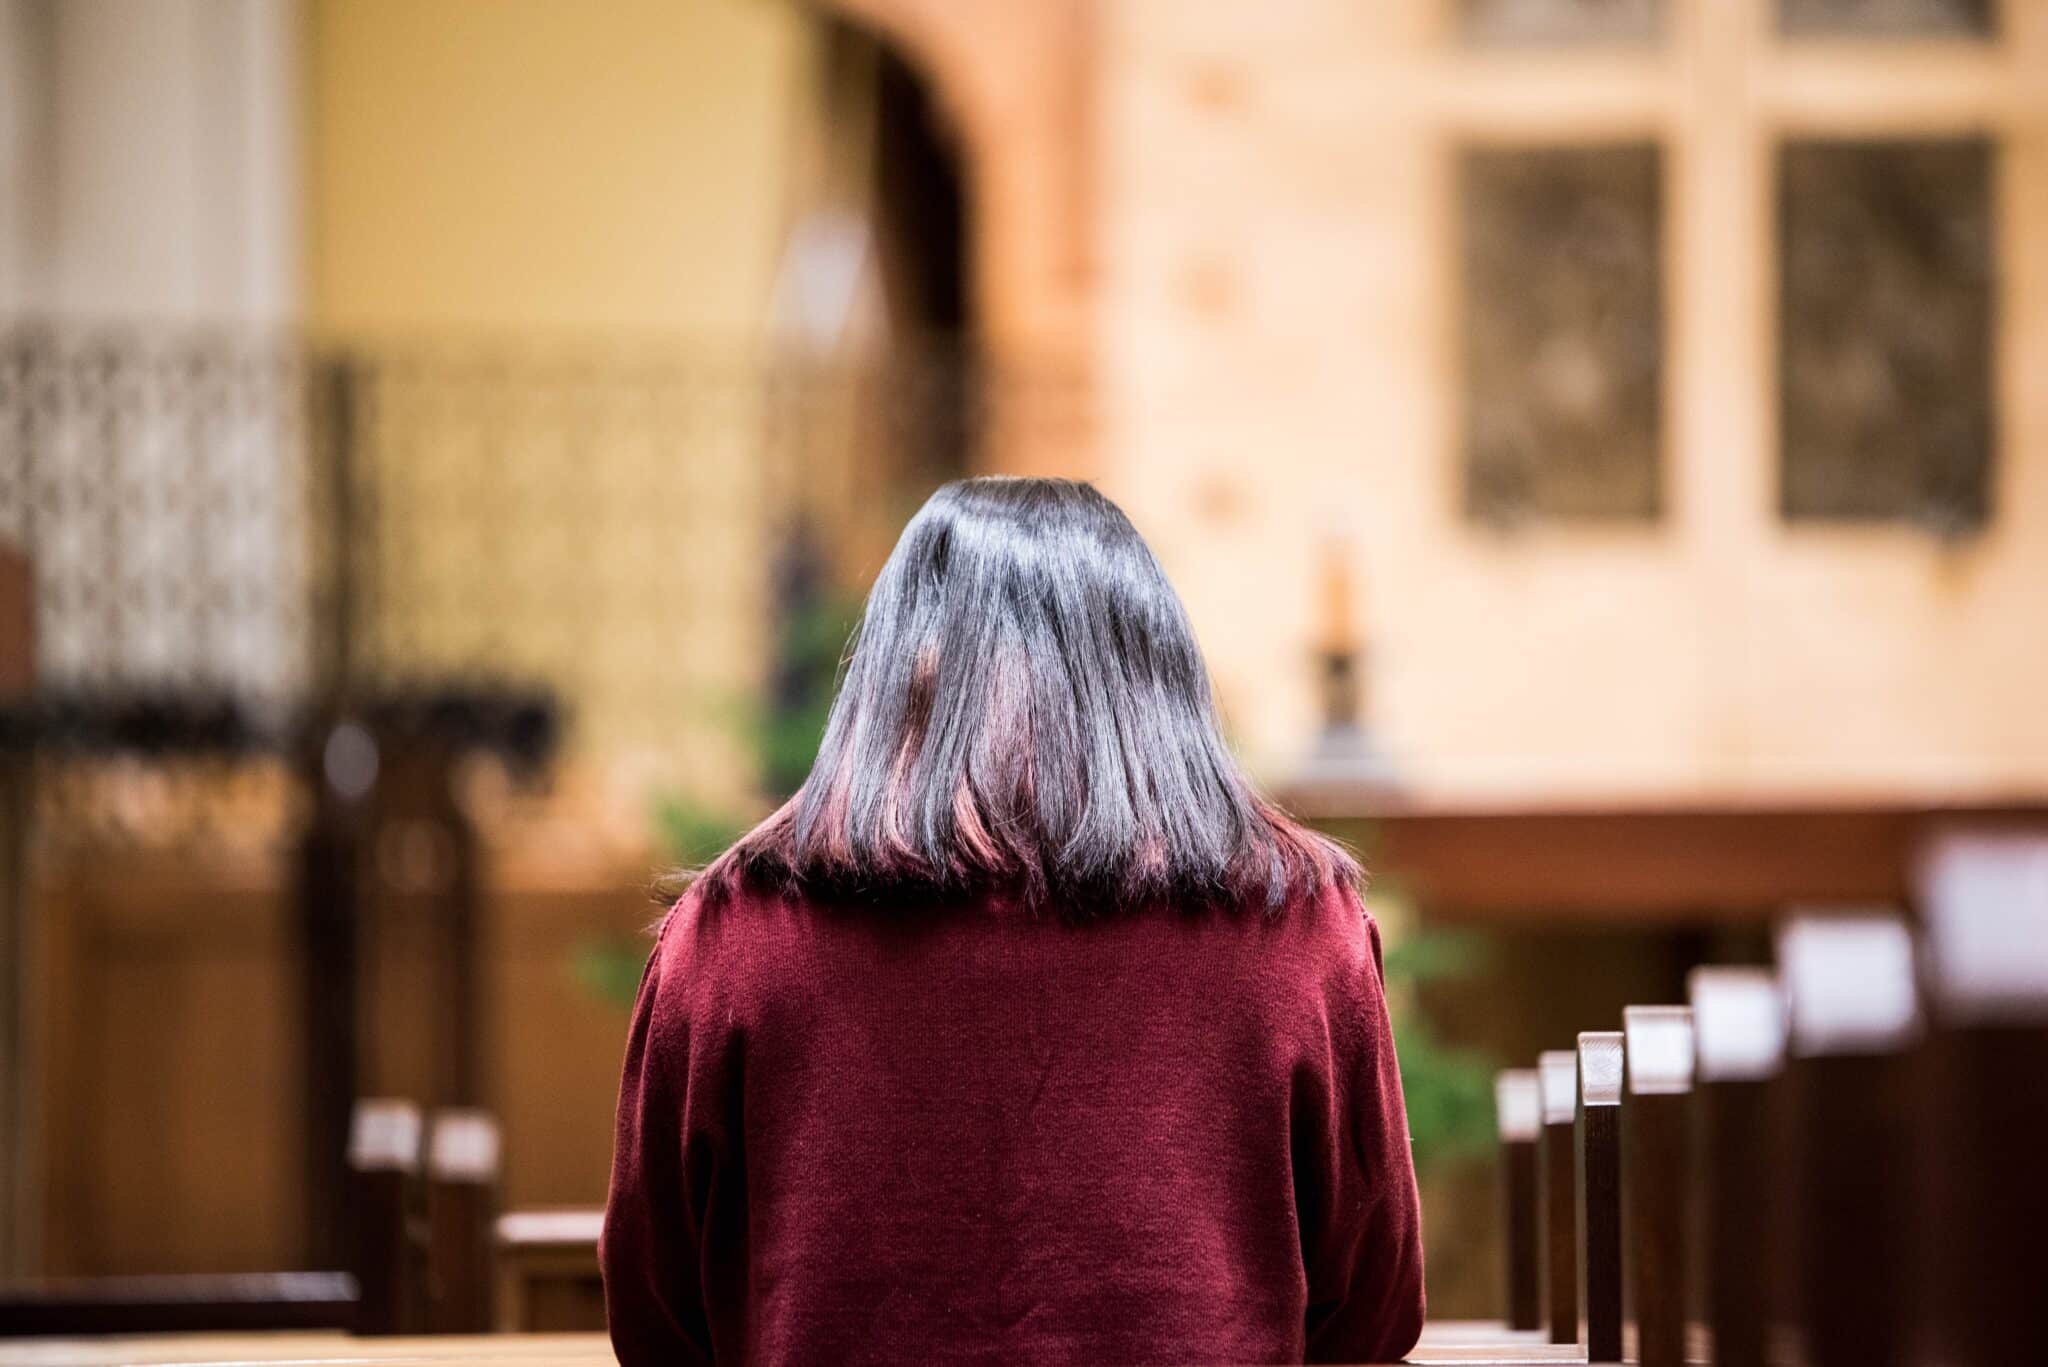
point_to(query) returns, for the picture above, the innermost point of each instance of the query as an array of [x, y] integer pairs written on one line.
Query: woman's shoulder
[[1332, 926], [712, 930], [1332, 964]]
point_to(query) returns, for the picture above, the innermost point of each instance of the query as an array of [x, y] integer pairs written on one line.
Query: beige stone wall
[[1238, 221], [1278, 368]]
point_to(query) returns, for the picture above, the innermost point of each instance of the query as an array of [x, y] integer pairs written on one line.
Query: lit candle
[[1339, 635]]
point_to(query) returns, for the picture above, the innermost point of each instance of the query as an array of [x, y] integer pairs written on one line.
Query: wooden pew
[[380, 1293], [267, 1301], [385, 1290], [1597, 1213], [384, 1250], [1984, 900], [315, 1349], [1682, 1099], [1655, 1164], [1738, 1051], [1518, 1107], [1557, 1086], [549, 1281], [422, 1255], [462, 1217], [424, 1250], [1854, 1015]]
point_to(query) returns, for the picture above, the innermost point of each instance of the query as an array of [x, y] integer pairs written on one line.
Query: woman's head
[[1024, 706]]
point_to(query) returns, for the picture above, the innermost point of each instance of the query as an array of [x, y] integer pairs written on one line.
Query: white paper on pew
[[1660, 1049], [1986, 902], [1600, 1067], [464, 1146], [1849, 983], [1518, 1103], [1557, 1073], [1738, 1017], [384, 1134]]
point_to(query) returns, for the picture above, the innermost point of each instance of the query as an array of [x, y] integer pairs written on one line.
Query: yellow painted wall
[[537, 163], [529, 170]]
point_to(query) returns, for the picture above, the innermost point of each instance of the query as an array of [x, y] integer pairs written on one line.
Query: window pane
[[1508, 22], [1884, 18], [1562, 321], [1884, 319]]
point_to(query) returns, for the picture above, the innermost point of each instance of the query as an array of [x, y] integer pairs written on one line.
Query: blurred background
[[443, 446]]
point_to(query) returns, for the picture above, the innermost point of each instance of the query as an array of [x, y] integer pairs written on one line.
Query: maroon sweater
[[974, 1135]]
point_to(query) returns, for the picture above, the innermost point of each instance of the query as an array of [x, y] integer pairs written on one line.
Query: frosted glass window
[[1885, 330], [1562, 332]]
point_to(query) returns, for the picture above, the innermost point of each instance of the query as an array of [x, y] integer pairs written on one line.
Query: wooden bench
[[422, 1252], [1819, 1159], [462, 1219], [1984, 902], [1656, 1092], [1739, 1049], [549, 1280], [1839, 1160], [178, 1304], [1597, 1209], [1557, 1074], [1853, 1016], [1518, 1108]]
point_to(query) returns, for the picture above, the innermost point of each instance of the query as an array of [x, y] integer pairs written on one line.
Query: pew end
[[1557, 1089], [548, 1278], [1983, 897], [1854, 1020], [1738, 1054], [1655, 1160], [1597, 1214], [1518, 1108]]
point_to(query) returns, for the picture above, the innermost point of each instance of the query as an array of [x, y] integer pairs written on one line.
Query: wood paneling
[[1644, 864], [171, 1033]]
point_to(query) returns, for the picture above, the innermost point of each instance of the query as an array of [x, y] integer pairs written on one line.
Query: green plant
[[690, 832], [1448, 1089], [609, 968], [1449, 1092], [781, 732]]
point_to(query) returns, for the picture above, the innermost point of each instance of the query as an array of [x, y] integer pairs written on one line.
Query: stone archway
[[1015, 78]]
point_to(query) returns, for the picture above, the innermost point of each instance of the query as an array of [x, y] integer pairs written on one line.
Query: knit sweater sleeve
[[668, 1145], [1358, 1209]]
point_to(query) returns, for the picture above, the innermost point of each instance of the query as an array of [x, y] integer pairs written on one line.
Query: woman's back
[[982, 1132], [1101, 1071]]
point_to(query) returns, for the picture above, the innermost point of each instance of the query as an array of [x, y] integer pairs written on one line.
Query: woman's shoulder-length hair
[[1024, 708]]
